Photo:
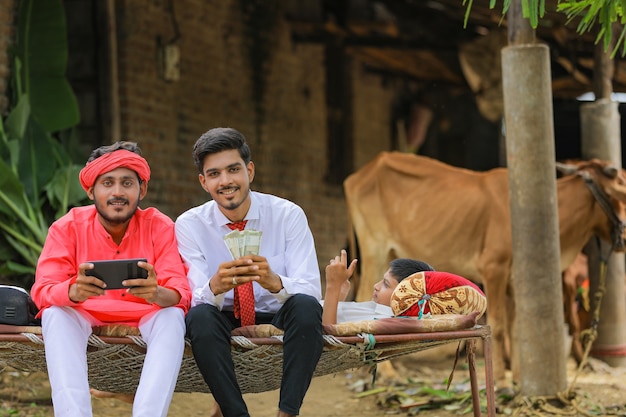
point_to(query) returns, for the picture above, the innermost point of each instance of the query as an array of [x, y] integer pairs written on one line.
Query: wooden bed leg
[[489, 383], [471, 360]]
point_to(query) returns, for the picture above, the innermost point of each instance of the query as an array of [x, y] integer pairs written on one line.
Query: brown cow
[[404, 205]]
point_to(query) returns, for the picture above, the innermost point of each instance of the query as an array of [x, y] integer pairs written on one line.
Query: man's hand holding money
[[247, 265]]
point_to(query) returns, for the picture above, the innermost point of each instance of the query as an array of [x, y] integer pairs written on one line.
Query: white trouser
[[65, 333]]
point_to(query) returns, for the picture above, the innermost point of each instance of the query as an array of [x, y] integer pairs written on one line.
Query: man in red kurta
[[72, 302]]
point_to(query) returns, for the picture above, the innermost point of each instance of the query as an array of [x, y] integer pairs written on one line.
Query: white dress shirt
[[286, 242], [358, 311]]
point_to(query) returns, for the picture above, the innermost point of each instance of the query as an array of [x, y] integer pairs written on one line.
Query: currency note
[[244, 242], [252, 242]]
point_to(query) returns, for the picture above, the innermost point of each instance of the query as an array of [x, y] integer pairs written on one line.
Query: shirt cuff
[[207, 296], [282, 295]]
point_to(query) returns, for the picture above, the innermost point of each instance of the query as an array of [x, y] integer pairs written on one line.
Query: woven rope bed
[[115, 362]]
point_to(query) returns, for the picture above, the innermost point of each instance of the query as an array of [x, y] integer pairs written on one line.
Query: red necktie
[[244, 294]]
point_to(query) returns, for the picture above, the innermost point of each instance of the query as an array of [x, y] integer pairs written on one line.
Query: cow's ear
[[566, 169]]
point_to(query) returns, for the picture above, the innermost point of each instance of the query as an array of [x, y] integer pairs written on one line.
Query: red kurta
[[79, 237]]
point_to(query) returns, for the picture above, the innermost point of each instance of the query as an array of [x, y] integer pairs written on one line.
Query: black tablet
[[113, 272]]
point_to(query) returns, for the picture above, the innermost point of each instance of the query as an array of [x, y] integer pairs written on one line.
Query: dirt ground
[[600, 392]]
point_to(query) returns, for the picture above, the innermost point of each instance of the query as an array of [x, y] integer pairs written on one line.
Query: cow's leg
[[570, 289], [511, 359], [497, 318]]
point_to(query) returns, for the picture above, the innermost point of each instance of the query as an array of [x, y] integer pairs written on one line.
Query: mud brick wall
[[217, 88]]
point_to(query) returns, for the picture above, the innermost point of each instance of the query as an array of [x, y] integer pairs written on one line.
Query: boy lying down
[[408, 288]]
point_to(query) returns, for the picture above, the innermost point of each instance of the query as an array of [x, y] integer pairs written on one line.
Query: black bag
[[16, 307]]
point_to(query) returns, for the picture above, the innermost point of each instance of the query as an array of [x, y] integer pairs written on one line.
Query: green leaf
[[14, 268], [64, 190], [70, 143], [25, 245], [442, 393], [16, 206], [467, 11], [373, 391], [42, 49], [37, 162], [54, 104], [590, 12], [18, 117], [11, 187], [31, 220], [19, 268]]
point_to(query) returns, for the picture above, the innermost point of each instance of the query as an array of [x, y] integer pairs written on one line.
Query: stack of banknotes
[[243, 242]]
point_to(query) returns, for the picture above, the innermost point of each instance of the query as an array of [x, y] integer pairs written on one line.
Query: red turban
[[110, 161], [437, 293]]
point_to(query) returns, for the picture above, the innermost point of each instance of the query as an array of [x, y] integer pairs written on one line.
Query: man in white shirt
[[284, 275]]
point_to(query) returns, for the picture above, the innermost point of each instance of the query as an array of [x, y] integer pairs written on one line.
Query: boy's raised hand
[[338, 274]]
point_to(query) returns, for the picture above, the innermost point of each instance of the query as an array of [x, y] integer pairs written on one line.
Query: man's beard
[[116, 221], [234, 205]]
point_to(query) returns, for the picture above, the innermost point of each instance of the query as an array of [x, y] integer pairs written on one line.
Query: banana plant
[[38, 183], [38, 179]]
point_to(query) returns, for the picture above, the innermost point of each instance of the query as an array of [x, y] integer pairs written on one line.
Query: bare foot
[[127, 398], [216, 411]]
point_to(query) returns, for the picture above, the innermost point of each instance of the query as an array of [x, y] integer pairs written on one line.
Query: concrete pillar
[[600, 130], [536, 275], [600, 125]]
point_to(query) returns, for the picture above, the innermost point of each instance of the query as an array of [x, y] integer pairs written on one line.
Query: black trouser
[[209, 331]]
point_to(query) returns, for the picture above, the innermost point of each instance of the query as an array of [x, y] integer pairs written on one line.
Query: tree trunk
[[538, 338]]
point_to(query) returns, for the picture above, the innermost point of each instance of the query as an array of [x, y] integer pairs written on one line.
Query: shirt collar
[[253, 211]]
